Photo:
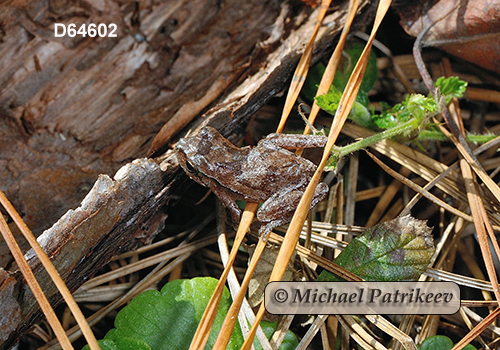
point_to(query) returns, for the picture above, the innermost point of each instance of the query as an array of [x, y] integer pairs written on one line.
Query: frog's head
[[196, 153]]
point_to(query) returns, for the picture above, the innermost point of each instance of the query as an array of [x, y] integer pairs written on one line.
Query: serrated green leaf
[[396, 250], [415, 107], [329, 102], [359, 114], [168, 319], [389, 118], [420, 106], [451, 87]]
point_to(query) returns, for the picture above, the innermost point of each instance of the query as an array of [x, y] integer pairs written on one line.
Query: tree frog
[[268, 173]]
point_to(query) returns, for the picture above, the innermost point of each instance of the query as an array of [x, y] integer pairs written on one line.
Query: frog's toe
[[320, 193], [235, 217], [266, 228]]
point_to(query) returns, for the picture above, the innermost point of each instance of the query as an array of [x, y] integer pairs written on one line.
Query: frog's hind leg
[[280, 207], [266, 228]]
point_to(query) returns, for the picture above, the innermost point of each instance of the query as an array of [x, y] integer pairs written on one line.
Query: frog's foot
[[266, 228], [319, 194], [280, 207], [235, 216]]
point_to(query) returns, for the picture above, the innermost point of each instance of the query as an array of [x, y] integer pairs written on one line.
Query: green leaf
[[396, 250], [359, 113], [329, 102], [437, 342], [415, 105], [121, 344], [362, 98], [350, 57], [290, 341], [312, 81], [104, 345], [420, 106], [470, 347], [451, 87], [441, 342], [168, 319], [353, 50]]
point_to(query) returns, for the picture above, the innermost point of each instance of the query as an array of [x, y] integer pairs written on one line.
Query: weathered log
[[75, 108], [116, 213]]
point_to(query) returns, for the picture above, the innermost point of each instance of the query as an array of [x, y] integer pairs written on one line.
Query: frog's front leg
[[229, 203], [293, 141], [278, 209]]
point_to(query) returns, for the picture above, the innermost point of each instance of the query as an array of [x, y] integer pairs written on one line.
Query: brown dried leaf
[[467, 29], [260, 277]]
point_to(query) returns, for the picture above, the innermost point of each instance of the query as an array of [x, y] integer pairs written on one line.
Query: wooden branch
[[117, 214]]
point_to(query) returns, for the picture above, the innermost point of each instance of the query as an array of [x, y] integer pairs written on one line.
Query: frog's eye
[[190, 168]]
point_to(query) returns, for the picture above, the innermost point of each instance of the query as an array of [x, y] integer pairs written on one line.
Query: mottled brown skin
[[268, 173]]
